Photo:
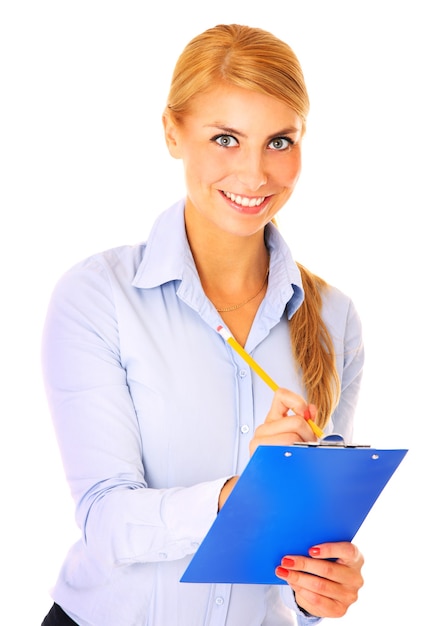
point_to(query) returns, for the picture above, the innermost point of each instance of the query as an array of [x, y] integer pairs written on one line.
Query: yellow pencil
[[228, 337]]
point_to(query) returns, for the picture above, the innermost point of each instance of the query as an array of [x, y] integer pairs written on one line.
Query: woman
[[155, 415]]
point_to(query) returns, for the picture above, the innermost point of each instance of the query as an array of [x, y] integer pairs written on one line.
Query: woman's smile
[[241, 152], [245, 203]]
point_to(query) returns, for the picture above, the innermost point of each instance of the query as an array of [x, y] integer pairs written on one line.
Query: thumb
[[284, 401]]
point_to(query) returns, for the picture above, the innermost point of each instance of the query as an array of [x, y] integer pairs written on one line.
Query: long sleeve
[[123, 519]]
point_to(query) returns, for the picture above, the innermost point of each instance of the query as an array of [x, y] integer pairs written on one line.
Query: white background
[[84, 167]]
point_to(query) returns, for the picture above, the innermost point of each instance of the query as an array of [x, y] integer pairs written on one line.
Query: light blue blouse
[[154, 411]]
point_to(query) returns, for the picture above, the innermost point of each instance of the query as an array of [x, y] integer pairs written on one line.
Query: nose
[[251, 171]]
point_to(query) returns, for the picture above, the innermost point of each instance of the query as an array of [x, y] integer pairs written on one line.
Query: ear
[[172, 135]]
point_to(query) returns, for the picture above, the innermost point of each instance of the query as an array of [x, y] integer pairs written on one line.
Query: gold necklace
[[238, 306]]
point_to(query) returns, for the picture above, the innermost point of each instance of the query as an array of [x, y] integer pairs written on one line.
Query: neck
[[231, 268], [221, 256]]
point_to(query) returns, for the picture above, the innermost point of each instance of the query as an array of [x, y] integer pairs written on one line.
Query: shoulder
[[341, 316], [338, 310], [114, 264], [121, 268], [331, 296]]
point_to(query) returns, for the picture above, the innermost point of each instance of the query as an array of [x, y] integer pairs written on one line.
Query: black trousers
[[57, 617]]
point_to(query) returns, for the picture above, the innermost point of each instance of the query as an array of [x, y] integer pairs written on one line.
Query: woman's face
[[241, 152]]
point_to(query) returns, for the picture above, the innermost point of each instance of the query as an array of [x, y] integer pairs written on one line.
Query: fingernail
[[287, 562], [314, 551], [283, 573]]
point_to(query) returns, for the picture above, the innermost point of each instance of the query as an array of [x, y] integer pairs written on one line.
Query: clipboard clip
[[334, 440]]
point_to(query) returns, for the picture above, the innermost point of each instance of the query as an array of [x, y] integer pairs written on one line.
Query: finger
[[300, 568], [285, 432], [312, 411], [323, 588], [284, 401], [345, 570], [318, 596], [293, 426], [289, 423], [318, 605], [343, 552]]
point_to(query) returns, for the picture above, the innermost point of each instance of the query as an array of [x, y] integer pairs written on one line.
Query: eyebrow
[[291, 130]]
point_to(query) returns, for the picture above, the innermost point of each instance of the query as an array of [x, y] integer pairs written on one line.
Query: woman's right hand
[[285, 423]]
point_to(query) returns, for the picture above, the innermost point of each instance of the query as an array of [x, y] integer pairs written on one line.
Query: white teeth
[[244, 201]]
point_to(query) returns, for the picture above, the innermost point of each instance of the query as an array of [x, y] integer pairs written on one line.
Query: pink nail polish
[[286, 562], [314, 551]]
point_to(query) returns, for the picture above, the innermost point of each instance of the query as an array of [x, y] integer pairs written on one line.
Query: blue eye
[[226, 141], [280, 143]]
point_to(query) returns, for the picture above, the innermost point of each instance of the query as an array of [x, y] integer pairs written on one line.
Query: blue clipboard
[[287, 500]]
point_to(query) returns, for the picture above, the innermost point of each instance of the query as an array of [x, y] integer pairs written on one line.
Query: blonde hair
[[313, 348], [256, 60], [246, 57]]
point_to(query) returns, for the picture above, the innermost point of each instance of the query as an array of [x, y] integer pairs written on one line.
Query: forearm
[[147, 525]]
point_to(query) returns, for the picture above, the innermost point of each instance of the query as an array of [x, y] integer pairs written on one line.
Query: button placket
[[245, 416]]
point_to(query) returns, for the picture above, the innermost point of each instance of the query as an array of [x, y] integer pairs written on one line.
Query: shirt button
[[242, 373], [219, 601], [163, 555], [245, 429]]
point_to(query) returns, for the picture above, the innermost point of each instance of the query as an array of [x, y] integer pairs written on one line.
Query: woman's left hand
[[325, 588]]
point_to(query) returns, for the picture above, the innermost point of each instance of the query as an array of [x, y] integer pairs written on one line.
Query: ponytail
[[313, 349]]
